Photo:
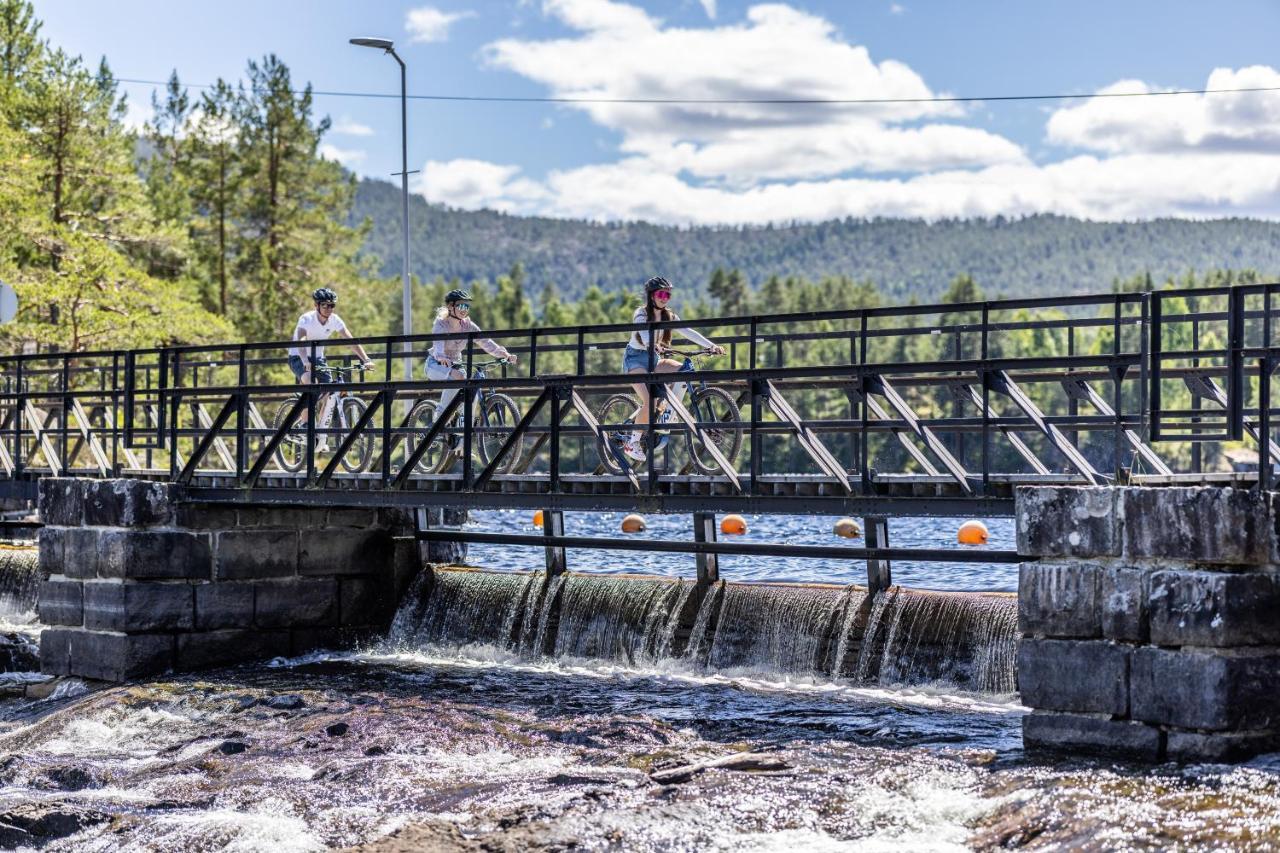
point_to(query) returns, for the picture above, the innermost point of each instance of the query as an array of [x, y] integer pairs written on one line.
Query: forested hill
[[1031, 256]]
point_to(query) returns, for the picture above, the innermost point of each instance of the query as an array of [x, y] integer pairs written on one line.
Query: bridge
[[200, 508]]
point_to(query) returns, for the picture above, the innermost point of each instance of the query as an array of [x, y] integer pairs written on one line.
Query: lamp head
[[382, 44]]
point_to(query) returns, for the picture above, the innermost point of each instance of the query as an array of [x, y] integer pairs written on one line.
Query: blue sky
[[1105, 159]]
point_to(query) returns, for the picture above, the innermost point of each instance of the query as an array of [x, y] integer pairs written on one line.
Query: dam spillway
[[898, 636]]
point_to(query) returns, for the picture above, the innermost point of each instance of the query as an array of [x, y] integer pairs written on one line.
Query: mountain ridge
[[1043, 254]]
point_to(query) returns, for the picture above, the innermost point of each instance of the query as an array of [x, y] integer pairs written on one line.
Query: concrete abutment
[[1148, 621], [139, 581]]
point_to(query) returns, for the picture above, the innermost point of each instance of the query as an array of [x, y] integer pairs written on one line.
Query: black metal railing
[[920, 404]]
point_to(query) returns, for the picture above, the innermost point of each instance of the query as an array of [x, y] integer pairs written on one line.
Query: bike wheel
[[715, 405], [498, 418], [291, 455], [616, 411], [356, 459], [421, 418]]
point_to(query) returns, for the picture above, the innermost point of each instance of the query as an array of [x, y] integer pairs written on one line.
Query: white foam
[[939, 696]]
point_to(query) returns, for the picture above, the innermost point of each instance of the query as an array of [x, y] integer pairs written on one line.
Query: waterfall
[[19, 582], [775, 628], [899, 636], [912, 636], [614, 618]]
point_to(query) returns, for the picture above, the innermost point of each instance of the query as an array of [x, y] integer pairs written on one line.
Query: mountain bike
[[494, 417], [708, 404], [292, 452]]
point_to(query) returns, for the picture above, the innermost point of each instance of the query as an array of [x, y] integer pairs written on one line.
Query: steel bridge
[[935, 409]]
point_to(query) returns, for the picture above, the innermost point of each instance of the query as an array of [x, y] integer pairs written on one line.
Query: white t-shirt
[[311, 329]]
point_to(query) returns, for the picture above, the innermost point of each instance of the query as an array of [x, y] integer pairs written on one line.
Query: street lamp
[[389, 47]]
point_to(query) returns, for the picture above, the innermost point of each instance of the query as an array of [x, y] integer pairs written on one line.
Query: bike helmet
[[324, 294], [657, 283], [457, 296]]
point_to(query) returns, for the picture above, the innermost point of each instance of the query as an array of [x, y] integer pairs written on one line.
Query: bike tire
[[715, 404], [291, 457], [357, 457], [615, 412], [500, 414], [421, 418]]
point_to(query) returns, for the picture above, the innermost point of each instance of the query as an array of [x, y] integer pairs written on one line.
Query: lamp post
[[388, 46]]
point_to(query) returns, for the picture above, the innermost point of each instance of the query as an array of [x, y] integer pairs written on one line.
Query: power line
[[513, 99]]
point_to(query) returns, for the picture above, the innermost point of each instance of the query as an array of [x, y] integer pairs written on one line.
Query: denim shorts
[[321, 368], [633, 358]]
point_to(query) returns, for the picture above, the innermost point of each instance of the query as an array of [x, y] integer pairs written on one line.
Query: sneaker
[[633, 451], [665, 417], [322, 447]]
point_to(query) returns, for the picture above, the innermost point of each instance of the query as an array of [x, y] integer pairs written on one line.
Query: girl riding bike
[[635, 357], [443, 362]]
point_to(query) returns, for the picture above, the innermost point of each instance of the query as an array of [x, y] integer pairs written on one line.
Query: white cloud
[[897, 9], [776, 53], [1243, 121], [709, 6], [475, 184], [349, 127], [349, 157], [428, 24], [1199, 156]]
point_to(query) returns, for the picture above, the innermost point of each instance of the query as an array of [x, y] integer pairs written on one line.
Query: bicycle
[[495, 416], [708, 404], [292, 452]]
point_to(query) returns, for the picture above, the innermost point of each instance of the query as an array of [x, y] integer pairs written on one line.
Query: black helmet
[[324, 294], [657, 283], [457, 296]]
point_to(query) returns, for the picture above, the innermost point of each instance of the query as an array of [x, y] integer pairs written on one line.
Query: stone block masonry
[[139, 581], [1149, 621]]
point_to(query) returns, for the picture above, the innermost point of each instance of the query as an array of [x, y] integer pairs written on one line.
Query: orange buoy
[[972, 533], [848, 528], [733, 524], [633, 523], [537, 518]]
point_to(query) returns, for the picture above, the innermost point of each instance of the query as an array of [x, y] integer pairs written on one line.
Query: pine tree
[[293, 208]]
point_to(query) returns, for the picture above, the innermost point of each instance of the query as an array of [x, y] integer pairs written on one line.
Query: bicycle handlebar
[[692, 354]]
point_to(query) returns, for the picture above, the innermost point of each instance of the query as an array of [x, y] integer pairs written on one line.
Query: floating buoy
[[848, 528], [537, 518], [633, 523], [734, 525], [972, 533]]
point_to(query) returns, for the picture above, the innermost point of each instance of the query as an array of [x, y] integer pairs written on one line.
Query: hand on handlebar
[[367, 365], [715, 349]]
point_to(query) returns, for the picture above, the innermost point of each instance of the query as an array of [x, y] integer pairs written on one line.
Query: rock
[[75, 778], [35, 824], [284, 702], [232, 747], [376, 750], [336, 730]]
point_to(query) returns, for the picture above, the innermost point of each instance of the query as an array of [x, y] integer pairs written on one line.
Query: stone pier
[[1151, 622], [139, 581]]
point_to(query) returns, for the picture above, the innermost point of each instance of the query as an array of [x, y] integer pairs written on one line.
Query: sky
[[1192, 156]]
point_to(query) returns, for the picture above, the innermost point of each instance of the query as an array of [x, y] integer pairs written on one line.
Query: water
[[505, 713], [791, 529]]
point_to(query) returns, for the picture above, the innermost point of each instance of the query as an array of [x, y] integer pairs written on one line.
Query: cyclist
[[445, 360], [635, 358], [318, 325]]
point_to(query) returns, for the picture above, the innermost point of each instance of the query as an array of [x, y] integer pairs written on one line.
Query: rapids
[[502, 712]]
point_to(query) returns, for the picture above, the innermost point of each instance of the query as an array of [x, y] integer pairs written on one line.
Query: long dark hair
[[654, 314]]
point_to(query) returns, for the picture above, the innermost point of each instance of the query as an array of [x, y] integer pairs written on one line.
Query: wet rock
[[75, 778], [18, 653], [285, 702], [376, 750], [337, 729], [36, 824], [232, 747]]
